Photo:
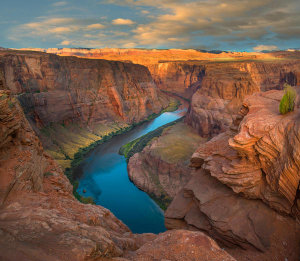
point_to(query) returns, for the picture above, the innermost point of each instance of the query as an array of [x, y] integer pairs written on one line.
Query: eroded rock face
[[39, 217], [261, 159], [206, 204], [21, 154], [257, 162], [54, 89], [215, 104]]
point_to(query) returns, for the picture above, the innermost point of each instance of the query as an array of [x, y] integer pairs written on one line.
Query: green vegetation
[[48, 174], [85, 200], [287, 102], [137, 145], [175, 147], [178, 144]]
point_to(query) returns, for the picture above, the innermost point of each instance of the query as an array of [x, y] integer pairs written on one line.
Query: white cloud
[[121, 21], [95, 26], [129, 45], [65, 42], [260, 48]]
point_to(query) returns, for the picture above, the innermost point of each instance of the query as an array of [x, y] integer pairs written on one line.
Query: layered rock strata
[[72, 103], [260, 159], [221, 92], [245, 187], [221, 81], [54, 89]]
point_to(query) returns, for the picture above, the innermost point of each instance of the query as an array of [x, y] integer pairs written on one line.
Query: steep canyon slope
[[72, 102]]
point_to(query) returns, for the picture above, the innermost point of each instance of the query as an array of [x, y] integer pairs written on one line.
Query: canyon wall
[[220, 81], [68, 89], [244, 189], [215, 104], [72, 102]]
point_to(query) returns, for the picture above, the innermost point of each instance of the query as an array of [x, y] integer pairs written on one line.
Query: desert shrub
[[287, 102], [48, 174]]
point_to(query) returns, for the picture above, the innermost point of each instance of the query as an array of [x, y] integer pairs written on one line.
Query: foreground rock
[[39, 217], [162, 168], [181, 245], [257, 161], [247, 228]]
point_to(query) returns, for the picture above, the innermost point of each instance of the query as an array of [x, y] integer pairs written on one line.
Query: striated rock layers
[[54, 89], [257, 161], [41, 220], [219, 96], [220, 80]]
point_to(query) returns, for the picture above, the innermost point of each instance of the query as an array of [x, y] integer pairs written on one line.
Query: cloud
[[95, 26], [129, 45], [58, 4], [121, 21], [65, 42], [260, 48], [231, 21]]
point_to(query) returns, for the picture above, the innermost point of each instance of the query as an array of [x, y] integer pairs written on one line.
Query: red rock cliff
[[245, 187], [68, 89]]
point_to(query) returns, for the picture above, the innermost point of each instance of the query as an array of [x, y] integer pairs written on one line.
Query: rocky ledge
[[244, 188]]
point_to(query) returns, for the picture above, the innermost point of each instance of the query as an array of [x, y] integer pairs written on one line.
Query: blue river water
[[103, 176]]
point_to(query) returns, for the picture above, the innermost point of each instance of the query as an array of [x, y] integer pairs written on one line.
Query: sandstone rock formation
[[262, 159], [68, 89], [248, 229], [220, 80], [181, 245], [257, 161], [39, 217], [162, 168], [220, 94], [41, 220]]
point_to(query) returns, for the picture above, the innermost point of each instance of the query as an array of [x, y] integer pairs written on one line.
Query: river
[[104, 177]]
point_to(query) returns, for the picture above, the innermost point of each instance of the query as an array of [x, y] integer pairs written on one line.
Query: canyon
[[228, 173], [41, 219]]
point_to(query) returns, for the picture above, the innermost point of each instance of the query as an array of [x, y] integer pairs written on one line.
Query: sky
[[232, 25]]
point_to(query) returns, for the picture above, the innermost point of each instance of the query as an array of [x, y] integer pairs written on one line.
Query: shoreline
[[82, 153]]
